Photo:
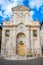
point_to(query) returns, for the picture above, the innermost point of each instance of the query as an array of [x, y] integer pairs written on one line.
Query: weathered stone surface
[[20, 28]]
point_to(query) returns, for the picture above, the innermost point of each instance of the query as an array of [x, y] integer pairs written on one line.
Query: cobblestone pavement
[[37, 61]]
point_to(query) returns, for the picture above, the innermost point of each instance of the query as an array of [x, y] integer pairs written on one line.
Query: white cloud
[[7, 5], [31, 13], [35, 3]]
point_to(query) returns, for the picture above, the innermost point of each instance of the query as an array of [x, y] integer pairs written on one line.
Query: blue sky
[[35, 5]]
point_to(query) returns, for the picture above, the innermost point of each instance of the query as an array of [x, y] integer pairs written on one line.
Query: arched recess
[[20, 45]]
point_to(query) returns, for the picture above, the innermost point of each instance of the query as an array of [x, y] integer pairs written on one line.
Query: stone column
[[32, 45], [30, 38], [39, 42], [14, 40], [11, 40], [27, 41], [3, 42]]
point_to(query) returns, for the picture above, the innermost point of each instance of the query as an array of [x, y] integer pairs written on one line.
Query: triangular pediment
[[20, 8]]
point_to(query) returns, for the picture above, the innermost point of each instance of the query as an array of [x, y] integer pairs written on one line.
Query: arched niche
[[20, 45]]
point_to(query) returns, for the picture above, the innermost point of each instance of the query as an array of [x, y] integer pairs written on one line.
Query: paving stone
[[37, 61]]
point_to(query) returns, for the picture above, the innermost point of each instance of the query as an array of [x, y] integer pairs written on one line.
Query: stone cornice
[[20, 8], [9, 25], [17, 26]]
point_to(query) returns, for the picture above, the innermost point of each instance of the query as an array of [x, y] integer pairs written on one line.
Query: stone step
[[21, 57]]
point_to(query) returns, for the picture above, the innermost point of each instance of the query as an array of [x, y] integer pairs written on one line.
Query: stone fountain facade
[[20, 35]]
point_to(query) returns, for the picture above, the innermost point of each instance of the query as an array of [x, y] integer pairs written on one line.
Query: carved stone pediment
[[21, 8]]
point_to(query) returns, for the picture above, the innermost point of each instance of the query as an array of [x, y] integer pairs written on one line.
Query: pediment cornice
[[20, 8]]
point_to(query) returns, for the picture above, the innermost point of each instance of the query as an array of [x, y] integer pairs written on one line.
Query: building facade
[[20, 35]]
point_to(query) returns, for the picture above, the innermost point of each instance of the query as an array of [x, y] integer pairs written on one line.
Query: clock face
[[21, 27]]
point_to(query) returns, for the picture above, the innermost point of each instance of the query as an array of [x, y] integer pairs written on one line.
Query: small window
[[35, 33], [7, 33]]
